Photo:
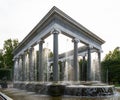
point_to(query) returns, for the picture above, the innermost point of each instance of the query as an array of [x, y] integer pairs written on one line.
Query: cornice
[[51, 15]]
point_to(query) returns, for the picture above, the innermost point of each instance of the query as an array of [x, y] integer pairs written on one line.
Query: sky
[[102, 17]]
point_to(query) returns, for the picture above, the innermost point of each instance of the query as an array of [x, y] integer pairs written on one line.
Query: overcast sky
[[102, 17]]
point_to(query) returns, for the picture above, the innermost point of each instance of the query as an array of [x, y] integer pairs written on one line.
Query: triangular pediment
[[56, 13], [56, 16]]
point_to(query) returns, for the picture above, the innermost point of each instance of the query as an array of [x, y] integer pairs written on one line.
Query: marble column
[[40, 68], [15, 69], [62, 70], [51, 70], [14, 60], [83, 76], [23, 68], [26, 66], [35, 65], [55, 56], [75, 60], [89, 65], [31, 64], [20, 67], [99, 63]]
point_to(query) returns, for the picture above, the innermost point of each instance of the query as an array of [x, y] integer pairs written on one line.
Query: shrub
[[6, 73]]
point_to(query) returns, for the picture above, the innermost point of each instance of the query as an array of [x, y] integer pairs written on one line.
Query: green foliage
[[5, 73], [1, 60], [6, 58], [51, 54], [9, 46], [84, 64], [111, 66], [117, 85]]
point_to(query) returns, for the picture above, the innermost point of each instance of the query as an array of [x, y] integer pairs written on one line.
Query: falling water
[[47, 57], [70, 70], [16, 71], [27, 68], [66, 63], [35, 64], [66, 71], [46, 63], [20, 69], [95, 68]]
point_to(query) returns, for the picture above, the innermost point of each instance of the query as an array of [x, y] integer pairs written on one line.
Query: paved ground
[[16, 94]]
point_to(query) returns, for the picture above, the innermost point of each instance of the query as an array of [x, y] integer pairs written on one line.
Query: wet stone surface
[[71, 90], [92, 92]]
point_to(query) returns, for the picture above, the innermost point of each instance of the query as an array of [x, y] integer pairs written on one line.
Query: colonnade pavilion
[[29, 63]]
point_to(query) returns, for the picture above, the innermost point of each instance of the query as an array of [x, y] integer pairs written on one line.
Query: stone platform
[[82, 90], [59, 89]]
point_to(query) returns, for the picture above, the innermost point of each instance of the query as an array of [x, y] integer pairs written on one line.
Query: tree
[[111, 66], [1, 60], [9, 46]]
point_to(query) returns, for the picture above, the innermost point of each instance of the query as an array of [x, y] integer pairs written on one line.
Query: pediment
[[56, 14], [56, 17]]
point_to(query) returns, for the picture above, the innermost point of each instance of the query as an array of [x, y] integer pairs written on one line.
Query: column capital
[[40, 41], [75, 40], [55, 31], [31, 48], [15, 58], [62, 60], [99, 50], [90, 46], [25, 52], [83, 54], [20, 56]]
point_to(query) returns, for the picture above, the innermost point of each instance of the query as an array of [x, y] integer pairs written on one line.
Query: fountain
[[67, 63], [48, 79], [93, 88]]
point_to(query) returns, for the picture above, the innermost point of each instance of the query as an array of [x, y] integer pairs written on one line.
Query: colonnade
[[24, 64]]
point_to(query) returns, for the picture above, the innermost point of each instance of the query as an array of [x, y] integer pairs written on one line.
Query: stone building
[[28, 64]]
